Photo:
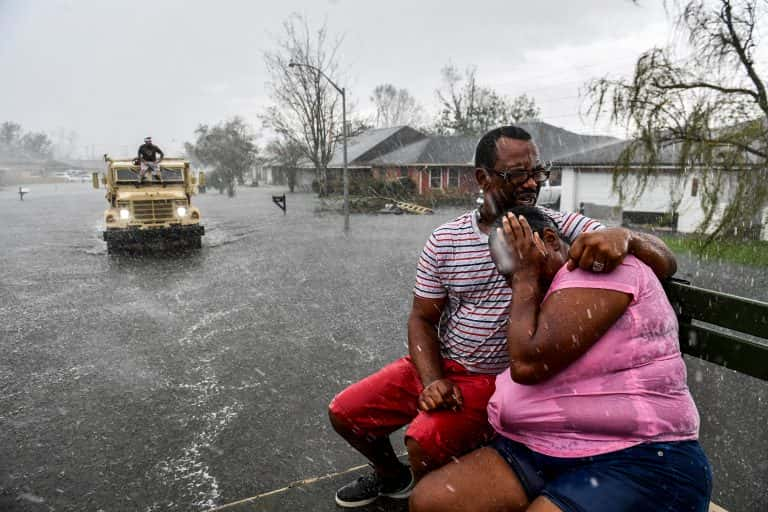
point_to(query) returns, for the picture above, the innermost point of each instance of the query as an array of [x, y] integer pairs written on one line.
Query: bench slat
[[729, 311], [720, 348]]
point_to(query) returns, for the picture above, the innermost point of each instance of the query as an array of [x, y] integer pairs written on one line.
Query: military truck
[[153, 214]]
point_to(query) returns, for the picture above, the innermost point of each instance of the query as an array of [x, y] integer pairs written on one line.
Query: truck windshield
[[131, 175]]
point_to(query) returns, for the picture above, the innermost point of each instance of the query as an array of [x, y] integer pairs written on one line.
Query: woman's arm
[[544, 340]]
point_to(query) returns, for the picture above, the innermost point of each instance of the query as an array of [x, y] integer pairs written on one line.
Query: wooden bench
[[723, 329]]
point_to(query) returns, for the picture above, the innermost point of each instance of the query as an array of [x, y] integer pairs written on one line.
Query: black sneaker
[[368, 488]]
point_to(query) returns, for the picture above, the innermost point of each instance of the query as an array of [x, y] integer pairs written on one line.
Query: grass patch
[[748, 252]]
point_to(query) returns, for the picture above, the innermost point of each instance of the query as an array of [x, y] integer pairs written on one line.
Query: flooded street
[[177, 383], [182, 382]]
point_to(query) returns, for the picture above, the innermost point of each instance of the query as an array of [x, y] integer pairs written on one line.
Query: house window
[[434, 178], [453, 178]]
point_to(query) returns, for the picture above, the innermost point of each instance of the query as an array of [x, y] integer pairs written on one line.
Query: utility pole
[[342, 91]]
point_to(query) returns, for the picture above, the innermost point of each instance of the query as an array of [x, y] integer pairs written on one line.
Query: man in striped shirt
[[456, 329]]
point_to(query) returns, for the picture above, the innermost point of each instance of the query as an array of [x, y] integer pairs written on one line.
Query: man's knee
[[343, 416], [339, 420], [424, 456]]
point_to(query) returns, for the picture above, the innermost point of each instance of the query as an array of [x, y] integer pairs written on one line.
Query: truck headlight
[[181, 211], [125, 213]]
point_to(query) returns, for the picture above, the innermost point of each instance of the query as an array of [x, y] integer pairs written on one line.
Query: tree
[[307, 108], [286, 154], [395, 107], [228, 148], [707, 102], [10, 133], [16, 143], [36, 145], [468, 108]]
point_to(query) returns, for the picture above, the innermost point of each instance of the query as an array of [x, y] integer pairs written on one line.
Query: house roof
[[403, 145], [608, 154], [460, 150], [373, 143], [8, 163], [554, 142], [436, 149]]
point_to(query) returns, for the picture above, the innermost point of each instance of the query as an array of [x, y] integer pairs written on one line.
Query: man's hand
[[440, 394], [599, 251]]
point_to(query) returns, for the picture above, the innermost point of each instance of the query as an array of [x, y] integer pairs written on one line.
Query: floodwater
[[181, 382]]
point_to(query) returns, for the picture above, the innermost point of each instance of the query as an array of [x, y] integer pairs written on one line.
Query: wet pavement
[[185, 382]]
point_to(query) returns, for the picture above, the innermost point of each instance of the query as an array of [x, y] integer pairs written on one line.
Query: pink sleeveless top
[[628, 388]]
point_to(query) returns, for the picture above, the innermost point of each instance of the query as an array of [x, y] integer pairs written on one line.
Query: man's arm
[[609, 246], [158, 150], [424, 348]]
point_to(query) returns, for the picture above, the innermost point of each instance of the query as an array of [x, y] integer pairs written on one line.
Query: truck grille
[[153, 211]]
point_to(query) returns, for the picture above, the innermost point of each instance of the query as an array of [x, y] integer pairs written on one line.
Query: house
[[361, 149], [435, 163], [671, 198], [17, 171], [440, 164]]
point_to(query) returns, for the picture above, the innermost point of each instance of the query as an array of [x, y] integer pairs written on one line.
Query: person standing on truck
[[148, 159]]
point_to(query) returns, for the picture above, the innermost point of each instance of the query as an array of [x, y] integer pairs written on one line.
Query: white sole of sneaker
[[354, 504], [399, 495]]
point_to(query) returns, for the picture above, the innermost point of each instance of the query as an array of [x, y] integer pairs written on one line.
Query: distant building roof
[[373, 143], [608, 154], [403, 145], [555, 142], [87, 164], [435, 149], [8, 163]]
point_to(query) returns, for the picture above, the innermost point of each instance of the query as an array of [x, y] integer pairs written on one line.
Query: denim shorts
[[672, 476]]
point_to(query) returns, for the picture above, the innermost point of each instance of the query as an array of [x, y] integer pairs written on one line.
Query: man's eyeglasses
[[540, 174]]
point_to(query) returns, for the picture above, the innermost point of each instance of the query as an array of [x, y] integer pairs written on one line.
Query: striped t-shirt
[[456, 263]]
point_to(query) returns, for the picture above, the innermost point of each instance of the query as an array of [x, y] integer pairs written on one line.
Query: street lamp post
[[341, 91]]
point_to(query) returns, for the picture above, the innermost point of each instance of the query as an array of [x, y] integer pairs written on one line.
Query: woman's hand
[[525, 246]]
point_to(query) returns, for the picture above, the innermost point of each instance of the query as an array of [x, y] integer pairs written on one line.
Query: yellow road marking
[[297, 483]]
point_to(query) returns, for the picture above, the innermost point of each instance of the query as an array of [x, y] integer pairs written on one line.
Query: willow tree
[[703, 101]]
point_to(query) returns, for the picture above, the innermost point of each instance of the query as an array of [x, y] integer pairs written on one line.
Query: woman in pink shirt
[[594, 413]]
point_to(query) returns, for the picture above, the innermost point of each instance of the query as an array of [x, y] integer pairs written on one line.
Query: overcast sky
[[115, 71]]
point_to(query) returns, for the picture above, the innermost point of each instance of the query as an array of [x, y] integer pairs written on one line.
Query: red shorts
[[385, 401]]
